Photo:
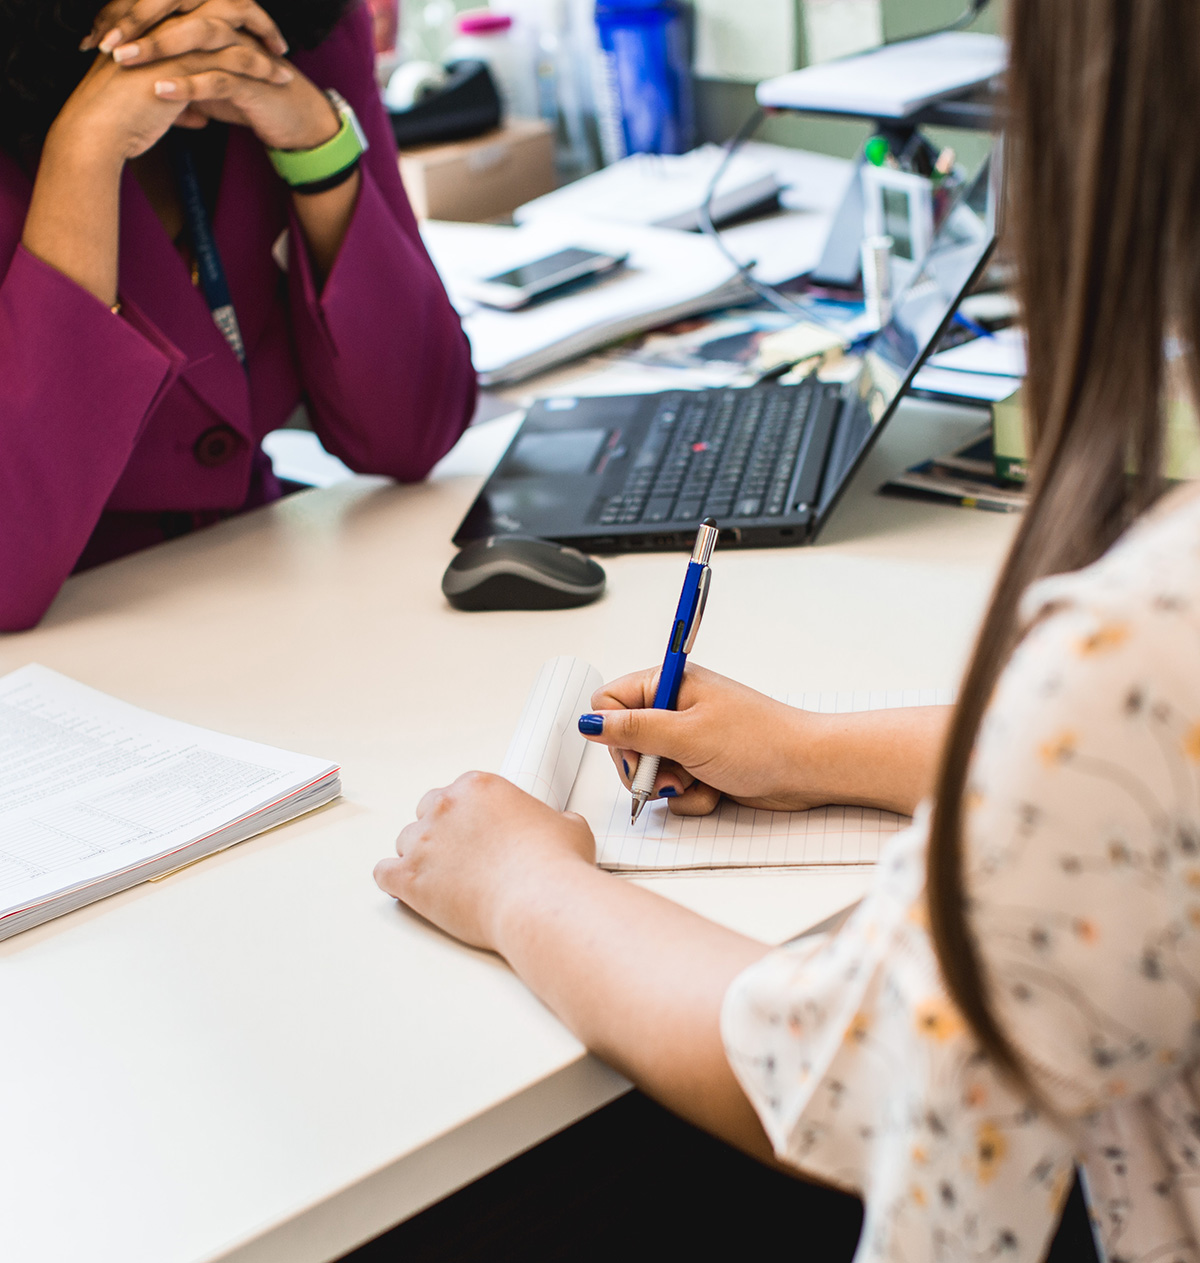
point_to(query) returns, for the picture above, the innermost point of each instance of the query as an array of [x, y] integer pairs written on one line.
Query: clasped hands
[[164, 63]]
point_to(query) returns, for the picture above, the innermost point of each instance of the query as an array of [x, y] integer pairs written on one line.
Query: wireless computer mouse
[[520, 572]]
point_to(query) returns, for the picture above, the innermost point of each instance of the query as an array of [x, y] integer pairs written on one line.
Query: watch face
[[346, 110]]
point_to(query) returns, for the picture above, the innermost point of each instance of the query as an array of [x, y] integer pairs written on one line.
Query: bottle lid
[[482, 22], [877, 150]]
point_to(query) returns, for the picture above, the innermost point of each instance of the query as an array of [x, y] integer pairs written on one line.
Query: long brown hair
[[1103, 166]]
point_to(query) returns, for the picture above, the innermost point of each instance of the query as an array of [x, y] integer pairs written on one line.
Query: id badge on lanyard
[[213, 283]]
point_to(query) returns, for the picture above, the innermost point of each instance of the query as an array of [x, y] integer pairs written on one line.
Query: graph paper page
[[733, 836]]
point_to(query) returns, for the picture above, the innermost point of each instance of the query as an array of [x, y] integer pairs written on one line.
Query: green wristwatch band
[[300, 167]]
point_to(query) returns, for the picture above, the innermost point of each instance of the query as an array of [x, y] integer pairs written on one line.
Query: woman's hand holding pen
[[726, 739], [723, 738]]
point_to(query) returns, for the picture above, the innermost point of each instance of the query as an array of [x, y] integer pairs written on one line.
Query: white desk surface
[[263, 1059]]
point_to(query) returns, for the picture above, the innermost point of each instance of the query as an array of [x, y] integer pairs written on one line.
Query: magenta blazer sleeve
[[383, 307], [103, 417], [76, 386]]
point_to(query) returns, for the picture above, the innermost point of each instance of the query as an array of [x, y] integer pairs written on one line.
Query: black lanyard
[[212, 273]]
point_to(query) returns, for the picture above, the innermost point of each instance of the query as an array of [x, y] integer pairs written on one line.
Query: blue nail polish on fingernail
[[591, 725], [668, 791], [625, 765]]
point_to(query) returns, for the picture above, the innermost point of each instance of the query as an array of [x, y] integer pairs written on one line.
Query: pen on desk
[[972, 326], [683, 636]]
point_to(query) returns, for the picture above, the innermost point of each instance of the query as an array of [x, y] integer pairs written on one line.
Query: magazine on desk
[[551, 760], [967, 477], [97, 795]]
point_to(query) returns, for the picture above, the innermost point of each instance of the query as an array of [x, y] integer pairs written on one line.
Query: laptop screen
[[889, 361]]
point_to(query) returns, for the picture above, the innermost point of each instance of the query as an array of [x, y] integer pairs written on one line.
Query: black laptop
[[610, 474]]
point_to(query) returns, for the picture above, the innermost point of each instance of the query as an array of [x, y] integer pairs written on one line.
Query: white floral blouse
[[1083, 874]]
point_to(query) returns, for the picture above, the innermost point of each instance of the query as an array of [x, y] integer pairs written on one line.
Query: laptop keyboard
[[720, 453]]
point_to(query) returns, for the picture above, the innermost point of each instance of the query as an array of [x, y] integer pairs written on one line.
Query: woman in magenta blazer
[[126, 416]]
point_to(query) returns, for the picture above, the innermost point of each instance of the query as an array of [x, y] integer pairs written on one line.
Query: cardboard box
[[482, 178]]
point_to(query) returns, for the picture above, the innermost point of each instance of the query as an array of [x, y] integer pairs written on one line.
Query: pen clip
[[698, 611]]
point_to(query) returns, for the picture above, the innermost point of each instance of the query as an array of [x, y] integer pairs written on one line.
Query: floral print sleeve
[[1083, 880]]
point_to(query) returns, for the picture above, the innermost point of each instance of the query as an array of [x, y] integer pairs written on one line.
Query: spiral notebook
[[548, 758]]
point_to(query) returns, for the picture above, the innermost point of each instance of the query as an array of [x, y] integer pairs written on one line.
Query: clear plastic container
[[561, 37], [489, 37]]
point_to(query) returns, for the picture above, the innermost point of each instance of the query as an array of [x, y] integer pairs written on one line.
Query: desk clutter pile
[[685, 311], [646, 206]]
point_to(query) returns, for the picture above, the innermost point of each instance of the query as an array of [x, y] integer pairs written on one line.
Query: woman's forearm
[[878, 758], [73, 223], [640, 981], [325, 220]]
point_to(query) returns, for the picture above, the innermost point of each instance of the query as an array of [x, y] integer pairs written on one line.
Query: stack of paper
[[97, 795], [662, 190], [669, 275]]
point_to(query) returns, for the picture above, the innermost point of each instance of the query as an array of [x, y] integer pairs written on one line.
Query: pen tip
[[635, 810]]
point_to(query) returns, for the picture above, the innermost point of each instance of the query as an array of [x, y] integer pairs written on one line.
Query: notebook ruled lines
[[544, 755]]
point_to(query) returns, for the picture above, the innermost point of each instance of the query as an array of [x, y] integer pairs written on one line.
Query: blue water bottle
[[646, 47]]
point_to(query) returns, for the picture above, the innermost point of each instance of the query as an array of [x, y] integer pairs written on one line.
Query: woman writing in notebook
[[1019, 992], [198, 230]]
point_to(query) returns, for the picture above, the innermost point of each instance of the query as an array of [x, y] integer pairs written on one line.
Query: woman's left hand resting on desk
[[639, 979]]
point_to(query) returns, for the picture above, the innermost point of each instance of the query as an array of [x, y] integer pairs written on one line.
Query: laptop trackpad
[[554, 452]]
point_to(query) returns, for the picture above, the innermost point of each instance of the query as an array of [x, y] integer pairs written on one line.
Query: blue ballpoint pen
[[683, 636]]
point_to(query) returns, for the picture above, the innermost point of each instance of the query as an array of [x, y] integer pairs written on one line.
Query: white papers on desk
[[298, 456], [665, 191], [97, 795], [890, 82], [479, 449], [1001, 353], [988, 369], [790, 242], [661, 190], [984, 387], [549, 759], [669, 275]]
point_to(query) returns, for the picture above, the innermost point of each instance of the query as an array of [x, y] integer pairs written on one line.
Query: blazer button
[[215, 446]]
